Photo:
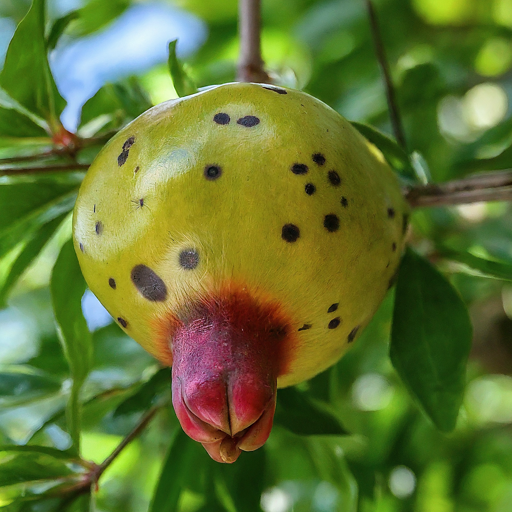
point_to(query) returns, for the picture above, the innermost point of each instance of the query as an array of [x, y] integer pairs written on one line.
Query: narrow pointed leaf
[[28, 254], [26, 74], [430, 339], [181, 465], [480, 266], [183, 84], [59, 27], [17, 121], [67, 287]]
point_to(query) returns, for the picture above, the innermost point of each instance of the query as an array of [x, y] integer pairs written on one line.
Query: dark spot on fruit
[[310, 189], [212, 172], [122, 321], [121, 159], [189, 259], [221, 118], [389, 263], [139, 203], [319, 159], [299, 169], [331, 222], [249, 121], [94, 209], [333, 307], [136, 170], [275, 89], [290, 232], [305, 327], [81, 245], [334, 323], [334, 178], [391, 213], [149, 284], [278, 332], [405, 223], [352, 334], [344, 202], [393, 246], [112, 283], [99, 227], [128, 143]]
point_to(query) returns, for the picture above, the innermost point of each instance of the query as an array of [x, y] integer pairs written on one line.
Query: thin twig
[[14, 171], [250, 64], [394, 113], [138, 429], [496, 186]]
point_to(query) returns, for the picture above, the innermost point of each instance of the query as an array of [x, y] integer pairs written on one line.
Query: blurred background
[[451, 61]]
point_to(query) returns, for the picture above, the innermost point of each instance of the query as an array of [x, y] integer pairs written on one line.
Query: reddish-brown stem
[[250, 64], [15, 171], [492, 186], [394, 113]]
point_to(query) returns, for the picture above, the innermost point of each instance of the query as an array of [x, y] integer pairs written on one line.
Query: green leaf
[[182, 82], [45, 450], [17, 121], [28, 206], [18, 467], [67, 287], [59, 27], [480, 266], [181, 465], [430, 339], [28, 254], [96, 14], [245, 480], [22, 384], [26, 74], [497, 163], [396, 157], [302, 415], [145, 395]]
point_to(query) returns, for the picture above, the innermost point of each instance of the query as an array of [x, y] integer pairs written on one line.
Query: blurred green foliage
[[351, 439]]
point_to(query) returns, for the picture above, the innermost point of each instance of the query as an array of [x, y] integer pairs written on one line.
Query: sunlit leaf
[[393, 153], [480, 266], [182, 82], [67, 287], [26, 75], [497, 163], [431, 339], [302, 415]]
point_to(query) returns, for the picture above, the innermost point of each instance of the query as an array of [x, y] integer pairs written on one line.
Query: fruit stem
[[250, 63], [489, 186], [394, 113]]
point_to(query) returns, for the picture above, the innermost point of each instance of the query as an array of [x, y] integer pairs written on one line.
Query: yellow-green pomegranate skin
[[242, 192]]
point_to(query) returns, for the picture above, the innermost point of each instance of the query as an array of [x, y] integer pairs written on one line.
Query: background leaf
[[430, 339], [67, 287], [300, 414], [182, 82], [26, 75]]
